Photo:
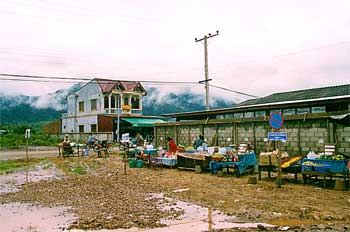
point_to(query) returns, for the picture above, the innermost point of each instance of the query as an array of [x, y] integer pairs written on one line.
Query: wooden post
[[27, 160], [278, 181]]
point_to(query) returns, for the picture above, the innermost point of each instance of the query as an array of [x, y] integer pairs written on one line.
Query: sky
[[263, 47]]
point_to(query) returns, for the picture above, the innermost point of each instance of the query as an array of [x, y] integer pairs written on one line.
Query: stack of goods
[[293, 161], [270, 158], [180, 148], [317, 167]]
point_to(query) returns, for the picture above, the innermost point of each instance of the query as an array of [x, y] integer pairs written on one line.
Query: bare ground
[[106, 198]]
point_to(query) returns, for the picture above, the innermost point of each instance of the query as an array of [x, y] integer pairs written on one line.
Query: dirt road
[[33, 152]]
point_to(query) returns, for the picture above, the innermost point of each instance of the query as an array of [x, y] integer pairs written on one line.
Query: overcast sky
[[263, 46]]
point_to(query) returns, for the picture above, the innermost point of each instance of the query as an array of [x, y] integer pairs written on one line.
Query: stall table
[[190, 161], [337, 168], [246, 161], [77, 150]]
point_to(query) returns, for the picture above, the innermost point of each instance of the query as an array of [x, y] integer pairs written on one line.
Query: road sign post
[[27, 136], [276, 121]]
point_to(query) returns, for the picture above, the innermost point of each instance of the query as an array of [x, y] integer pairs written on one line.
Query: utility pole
[[206, 73]]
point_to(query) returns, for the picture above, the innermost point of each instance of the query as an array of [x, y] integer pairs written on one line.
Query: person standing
[[90, 143], [199, 141], [172, 146]]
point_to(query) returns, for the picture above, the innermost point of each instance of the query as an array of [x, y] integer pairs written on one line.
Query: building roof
[[307, 96], [108, 85], [300, 95]]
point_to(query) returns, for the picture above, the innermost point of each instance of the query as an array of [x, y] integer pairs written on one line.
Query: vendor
[[172, 146], [199, 141]]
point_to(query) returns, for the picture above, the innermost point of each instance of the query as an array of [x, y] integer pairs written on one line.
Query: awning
[[339, 117], [142, 122]]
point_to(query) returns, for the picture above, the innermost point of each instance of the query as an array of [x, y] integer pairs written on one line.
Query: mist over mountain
[[30, 109]]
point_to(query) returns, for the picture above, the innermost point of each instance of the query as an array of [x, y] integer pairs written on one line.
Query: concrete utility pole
[[205, 38]]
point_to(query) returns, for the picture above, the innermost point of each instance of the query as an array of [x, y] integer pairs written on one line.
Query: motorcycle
[[100, 145]]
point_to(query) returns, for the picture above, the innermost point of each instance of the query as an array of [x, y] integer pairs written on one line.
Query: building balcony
[[122, 111]]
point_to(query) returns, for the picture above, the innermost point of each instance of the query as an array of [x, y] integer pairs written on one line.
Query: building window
[[228, 115], [93, 128], [260, 114], [106, 102], [288, 111], [81, 106], [249, 114], [81, 128], [113, 101], [238, 115], [126, 101], [118, 101], [220, 116], [275, 111], [303, 110], [318, 109], [93, 104], [135, 102]]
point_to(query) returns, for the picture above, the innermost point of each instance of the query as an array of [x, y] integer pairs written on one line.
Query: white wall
[[74, 117], [87, 93]]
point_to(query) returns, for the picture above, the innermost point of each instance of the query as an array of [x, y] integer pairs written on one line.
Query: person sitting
[[172, 146], [139, 140], [67, 148], [199, 141]]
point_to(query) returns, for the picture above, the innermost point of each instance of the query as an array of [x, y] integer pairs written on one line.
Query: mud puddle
[[12, 182]]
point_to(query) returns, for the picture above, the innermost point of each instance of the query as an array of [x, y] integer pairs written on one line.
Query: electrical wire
[[36, 78]]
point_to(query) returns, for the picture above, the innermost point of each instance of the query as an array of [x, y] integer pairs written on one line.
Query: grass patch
[[8, 166], [79, 170]]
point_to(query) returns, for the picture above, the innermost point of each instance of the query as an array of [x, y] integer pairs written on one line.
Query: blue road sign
[[276, 121], [277, 136]]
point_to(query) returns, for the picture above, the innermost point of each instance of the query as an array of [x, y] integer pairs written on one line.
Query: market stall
[[332, 166], [191, 160], [245, 162]]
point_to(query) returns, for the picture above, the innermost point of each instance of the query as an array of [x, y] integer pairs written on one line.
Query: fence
[[83, 137]]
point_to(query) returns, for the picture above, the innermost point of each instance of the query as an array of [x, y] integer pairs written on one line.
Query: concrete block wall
[[161, 136], [182, 135], [225, 132], [261, 131], [303, 136], [245, 133], [343, 139], [195, 131], [210, 135], [313, 136]]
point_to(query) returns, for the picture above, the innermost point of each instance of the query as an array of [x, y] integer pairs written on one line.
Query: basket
[[139, 163], [132, 163]]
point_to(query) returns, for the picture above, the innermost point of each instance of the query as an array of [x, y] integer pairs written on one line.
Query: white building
[[95, 106]]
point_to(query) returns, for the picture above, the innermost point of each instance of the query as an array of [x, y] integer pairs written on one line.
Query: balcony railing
[[120, 111]]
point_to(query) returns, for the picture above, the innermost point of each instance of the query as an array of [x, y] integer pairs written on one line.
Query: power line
[[102, 80], [72, 80], [230, 90]]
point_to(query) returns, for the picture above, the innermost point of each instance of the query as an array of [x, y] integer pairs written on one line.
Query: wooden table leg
[[259, 171]]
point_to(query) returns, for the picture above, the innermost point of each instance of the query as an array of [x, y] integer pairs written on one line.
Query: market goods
[[292, 161]]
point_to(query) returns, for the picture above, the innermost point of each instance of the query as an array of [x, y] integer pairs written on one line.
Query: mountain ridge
[[30, 109]]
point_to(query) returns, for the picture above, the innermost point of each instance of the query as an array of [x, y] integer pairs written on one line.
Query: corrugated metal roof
[[300, 95]]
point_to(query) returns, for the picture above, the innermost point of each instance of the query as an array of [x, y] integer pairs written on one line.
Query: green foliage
[[15, 140], [8, 166], [79, 170]]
